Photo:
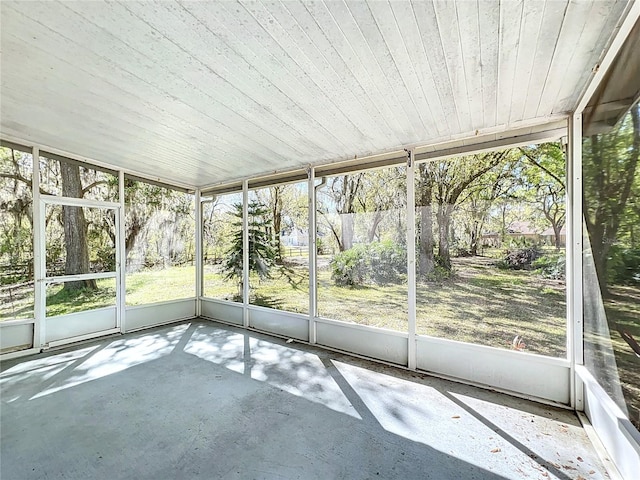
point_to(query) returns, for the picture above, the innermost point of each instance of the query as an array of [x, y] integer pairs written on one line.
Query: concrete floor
[[204, 400]]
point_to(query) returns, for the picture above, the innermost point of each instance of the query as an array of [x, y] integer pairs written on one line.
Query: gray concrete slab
[[204, 400]]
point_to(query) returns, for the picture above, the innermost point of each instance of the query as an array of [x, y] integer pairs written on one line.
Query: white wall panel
[[78, 324], [16, 337], [368, 341], [531, 375], [614, 430], [280, 323], [158, 313], [228, 312]]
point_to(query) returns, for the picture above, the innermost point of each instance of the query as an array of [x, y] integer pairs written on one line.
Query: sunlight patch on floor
[[118, 356], [296, 372]]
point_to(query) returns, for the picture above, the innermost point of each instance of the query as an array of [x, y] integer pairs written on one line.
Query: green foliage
[[379, 263], [519, 259], [439, 273], [16, 210], [349, 267], [552, 266], [160, 226], [321, 248], [623, 267], [262, 253], [387, 262], [105, 259], [610, 190]]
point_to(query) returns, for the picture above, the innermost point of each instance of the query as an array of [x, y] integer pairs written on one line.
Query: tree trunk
[[346, 220], [344, 190], [424, 198], [556, 233], [603, 223], [277, 220], [377, 218], [444, 225], [475, 237], [427, 263], [600, 250], [75, 229]]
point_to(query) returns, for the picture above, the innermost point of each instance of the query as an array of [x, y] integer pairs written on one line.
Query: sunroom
[[449, 189]]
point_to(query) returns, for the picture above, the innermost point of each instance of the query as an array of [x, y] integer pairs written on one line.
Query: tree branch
[[541, 167], [92, 185], [26, 181]]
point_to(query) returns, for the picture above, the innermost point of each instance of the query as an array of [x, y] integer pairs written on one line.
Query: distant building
[[523, 230], [548, 237], [295, 237]]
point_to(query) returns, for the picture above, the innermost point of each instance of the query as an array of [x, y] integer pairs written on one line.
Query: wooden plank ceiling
[[207, 92]]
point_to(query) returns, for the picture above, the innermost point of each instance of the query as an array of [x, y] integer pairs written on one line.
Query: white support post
[[245, 253], [411, 261], [575, 324], [39, 267], [199, 264], [121, 259], [313, 264]]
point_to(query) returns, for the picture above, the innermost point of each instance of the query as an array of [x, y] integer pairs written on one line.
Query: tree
[[16, 228], [424, 198], [480, 197], [382, 192], [262, 254], [451, 178], [67, 181], [276, 194], [217, 230], [159, 226], [610, 162], [15, 207], [274, 199], [343, 191], [545, 180], [75, 230]]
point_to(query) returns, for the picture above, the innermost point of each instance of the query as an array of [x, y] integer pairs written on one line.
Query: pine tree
[[262, 253]]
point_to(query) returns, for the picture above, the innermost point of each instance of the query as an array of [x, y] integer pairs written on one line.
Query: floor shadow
[[546, 464]]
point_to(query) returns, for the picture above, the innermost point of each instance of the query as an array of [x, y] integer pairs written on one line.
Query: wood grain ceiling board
[[204, 93]]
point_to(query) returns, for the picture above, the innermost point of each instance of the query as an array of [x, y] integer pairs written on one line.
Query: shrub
[[386, 262], [105, 259], [551, 266], [321, 247], [459, 252], [623, 266], [519, 259], [378, 262], [439, 274], [349, 267]]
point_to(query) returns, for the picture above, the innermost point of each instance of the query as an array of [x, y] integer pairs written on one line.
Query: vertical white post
[[245, 252], [121, 257], [199, 265], [39, 267], [575, 324], [411, 260], [313, 264]]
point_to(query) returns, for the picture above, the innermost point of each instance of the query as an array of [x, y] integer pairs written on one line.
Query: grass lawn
[[488, 306], [623, 312], [60, 301], [142, 288], [481, 304], [153, 286]]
